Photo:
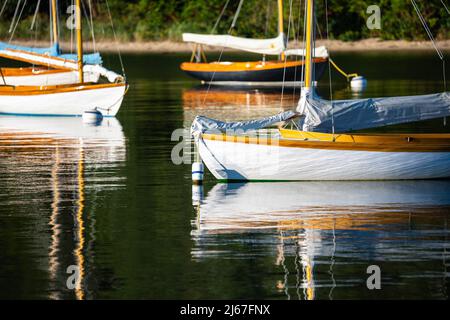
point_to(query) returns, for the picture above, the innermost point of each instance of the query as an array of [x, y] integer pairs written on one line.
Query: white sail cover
[[349, 115], [319, 52], [207, 125], [58, 63], [274, 46]]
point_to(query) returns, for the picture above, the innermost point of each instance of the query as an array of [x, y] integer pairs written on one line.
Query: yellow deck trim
[[375, 143]]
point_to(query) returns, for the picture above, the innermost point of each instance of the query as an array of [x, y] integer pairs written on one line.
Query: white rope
[[430, 35], [220, 16]]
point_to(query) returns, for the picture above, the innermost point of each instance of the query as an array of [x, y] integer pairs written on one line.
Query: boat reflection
[[310, 225], [69, 159], [233, 104]]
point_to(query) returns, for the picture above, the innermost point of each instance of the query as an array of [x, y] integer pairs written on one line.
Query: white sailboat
[[38, 75], [63, 100], [240, 151]]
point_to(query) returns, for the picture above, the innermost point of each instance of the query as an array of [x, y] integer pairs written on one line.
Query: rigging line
[[304, 41], [3, 7], [35, 14], [222, 50], [430, 35], [14, 17], [446, 8], [285, 56], [266, 27], [89, 21], [329, 71], [220, 16], [427, 29], [92, 26], [115, 39], [236, 15], [296, 41], [18, 20]]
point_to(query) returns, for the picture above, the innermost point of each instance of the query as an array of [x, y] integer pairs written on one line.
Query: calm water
[[108, 200]]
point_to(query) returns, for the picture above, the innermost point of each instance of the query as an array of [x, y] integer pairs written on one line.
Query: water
[[108, 201]]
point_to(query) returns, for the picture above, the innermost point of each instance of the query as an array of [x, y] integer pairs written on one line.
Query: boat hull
[[44, 77], [228, 160], [275, 73], [62, 100]]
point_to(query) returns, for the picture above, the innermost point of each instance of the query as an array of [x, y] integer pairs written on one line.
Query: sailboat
[[251, 73], [320, 144], [41, 75], [65, 99]]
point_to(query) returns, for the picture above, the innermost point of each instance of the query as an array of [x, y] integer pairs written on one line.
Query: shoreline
[[166, 46]]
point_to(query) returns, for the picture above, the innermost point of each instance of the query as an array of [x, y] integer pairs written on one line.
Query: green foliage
[[167, 19]]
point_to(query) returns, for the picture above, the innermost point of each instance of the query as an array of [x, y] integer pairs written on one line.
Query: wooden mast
[[55, 22], [280, 22], [309, 44], [79, 40]]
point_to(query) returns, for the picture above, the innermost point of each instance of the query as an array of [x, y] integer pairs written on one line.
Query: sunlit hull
[[70, 100], [244, 158], [43, 77]]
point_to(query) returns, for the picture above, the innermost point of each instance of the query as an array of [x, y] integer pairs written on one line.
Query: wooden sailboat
[[250, 73], [68, 99], [294, 154], [43, 75]]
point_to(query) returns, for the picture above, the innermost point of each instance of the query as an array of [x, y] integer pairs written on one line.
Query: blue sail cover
[[54, 51]]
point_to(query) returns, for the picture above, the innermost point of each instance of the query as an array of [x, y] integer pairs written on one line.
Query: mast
[[280, 22], [55, 23], [309, 45], [79, 40]]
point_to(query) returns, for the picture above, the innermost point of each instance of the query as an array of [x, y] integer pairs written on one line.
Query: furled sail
[[58, 63], [349, 115], [54, 51], [203, 124], [274, 46], [319, 52]]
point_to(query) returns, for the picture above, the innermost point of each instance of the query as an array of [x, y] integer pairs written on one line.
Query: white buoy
[[197, 194], [358, 83], [92, 116], [197, 173]]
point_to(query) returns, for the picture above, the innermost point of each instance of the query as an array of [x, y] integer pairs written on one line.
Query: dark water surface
[[109, 202]]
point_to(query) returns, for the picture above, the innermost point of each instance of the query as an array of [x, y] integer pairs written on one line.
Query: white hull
[[50, 79], [241, 161], [106, 99]]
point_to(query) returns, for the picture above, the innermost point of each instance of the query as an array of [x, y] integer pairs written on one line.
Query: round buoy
[[197, 172], [92, 116], [358, 83]]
